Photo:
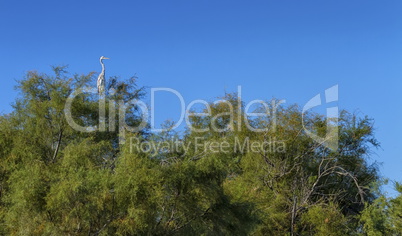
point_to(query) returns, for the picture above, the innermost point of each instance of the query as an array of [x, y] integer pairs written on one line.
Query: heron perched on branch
[[101, 77]]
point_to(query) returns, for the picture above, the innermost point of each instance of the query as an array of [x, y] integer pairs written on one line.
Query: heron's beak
[[106, 58]]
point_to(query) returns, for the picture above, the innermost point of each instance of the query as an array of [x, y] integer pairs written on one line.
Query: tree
[[294, 178], [56, 179], [225, 180]]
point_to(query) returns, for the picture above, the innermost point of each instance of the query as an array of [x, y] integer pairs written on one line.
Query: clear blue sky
[[285, 49]]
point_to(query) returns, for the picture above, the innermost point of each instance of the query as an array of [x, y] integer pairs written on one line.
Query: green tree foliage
[[290, 185], [383, 216], [55, 180], [375, 217], [395, 210]]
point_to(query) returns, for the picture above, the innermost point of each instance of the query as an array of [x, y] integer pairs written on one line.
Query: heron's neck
[[103, 66]]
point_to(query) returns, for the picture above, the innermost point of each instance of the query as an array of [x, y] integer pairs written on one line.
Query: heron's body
[[101, 77]]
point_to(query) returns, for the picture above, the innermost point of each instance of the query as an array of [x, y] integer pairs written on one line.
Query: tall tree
[[220, 177]]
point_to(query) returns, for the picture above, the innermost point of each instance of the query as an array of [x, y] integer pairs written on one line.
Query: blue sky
[[285, 49]]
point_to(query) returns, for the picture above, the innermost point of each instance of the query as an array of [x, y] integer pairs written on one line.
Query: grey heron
[[101, 77]]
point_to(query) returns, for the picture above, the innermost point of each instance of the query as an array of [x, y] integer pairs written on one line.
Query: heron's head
[[102, 57]]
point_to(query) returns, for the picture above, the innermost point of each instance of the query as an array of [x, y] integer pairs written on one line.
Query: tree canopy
[[55, 180]]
